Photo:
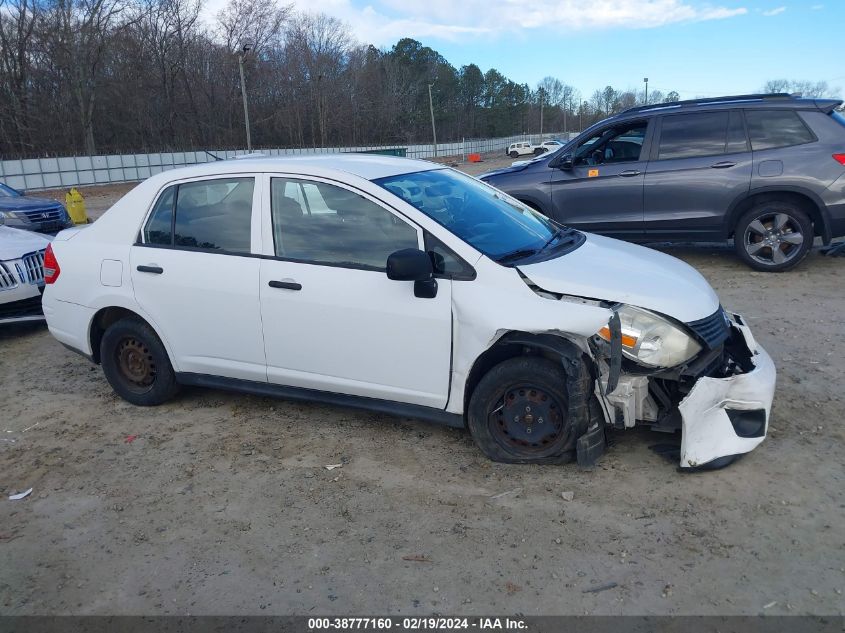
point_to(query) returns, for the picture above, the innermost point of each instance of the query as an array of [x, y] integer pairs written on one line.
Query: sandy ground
[[222, 503]]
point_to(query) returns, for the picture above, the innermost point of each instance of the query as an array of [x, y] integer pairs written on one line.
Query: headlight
[[651, 340], [8, 214]]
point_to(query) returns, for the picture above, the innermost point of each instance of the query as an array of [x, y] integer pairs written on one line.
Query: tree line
[[111, 76]]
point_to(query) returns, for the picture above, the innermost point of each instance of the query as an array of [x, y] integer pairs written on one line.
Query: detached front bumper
[[723, 417]]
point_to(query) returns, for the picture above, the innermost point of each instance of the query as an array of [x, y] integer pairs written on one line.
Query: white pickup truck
[[21, 275]]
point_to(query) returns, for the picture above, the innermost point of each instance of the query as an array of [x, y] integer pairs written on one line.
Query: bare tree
[[257, 23]]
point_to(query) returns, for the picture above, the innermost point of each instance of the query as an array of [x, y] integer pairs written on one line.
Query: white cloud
[[817, 7], [382, 22], [772, 12]]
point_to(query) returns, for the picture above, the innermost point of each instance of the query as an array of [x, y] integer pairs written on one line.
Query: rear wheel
[[514, 154], [773, 236], [519, 413], [136, 364]]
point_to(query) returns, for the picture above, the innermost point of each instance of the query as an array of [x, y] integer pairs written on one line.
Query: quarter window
[[209, 215], [319, 223], [776, 128], [690, 135]]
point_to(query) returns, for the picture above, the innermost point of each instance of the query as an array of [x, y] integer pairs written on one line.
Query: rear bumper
[[69, 323], [722, 417]]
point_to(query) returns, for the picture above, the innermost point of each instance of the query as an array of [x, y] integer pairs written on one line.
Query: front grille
[[31, 268], [43, 215], [7, 279], [713, 330]]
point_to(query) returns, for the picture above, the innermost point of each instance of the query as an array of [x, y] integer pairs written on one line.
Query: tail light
[[839, 158], [51, 266]]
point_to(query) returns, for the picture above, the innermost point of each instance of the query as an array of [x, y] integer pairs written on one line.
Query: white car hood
[[612, 270], [14, 242]]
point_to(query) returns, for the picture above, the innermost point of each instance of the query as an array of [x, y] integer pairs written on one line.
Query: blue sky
[[699, 48]]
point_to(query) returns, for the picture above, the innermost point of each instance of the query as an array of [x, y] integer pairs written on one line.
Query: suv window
[[319, 223], [209, 214], [776, 128], [621, 144], [690, 135]]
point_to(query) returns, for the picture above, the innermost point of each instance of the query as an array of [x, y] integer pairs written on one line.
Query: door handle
[[629, 172], [156, 270], [723, 165], [285, 285]]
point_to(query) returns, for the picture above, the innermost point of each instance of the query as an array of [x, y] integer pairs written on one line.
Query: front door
[[602, 191], [332, 319], [194, 278]]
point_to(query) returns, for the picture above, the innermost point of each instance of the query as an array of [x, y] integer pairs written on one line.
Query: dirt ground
[[222, 505]]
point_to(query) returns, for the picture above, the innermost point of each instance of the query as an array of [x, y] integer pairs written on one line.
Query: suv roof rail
[[711, 100]]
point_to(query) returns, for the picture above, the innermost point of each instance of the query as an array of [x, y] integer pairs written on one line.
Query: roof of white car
[[369, 166]]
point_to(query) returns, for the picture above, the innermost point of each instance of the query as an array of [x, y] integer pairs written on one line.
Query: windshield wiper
[[517, 254], [558, 233]]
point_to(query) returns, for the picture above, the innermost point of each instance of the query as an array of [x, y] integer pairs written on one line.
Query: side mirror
[[565, 162], [20, 192], [412, 264]]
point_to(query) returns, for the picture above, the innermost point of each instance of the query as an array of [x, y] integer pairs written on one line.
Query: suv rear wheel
[[514, 154], [773, 236], [136, 364], [519, 413]]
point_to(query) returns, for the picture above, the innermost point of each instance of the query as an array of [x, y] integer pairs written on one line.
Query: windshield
[[7, 192], [491, 221]]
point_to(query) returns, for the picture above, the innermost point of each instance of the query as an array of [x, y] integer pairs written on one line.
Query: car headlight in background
[[10, 215], [651, 340]]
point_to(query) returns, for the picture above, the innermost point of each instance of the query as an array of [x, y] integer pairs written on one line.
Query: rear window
[[776, 128], [690, 135]]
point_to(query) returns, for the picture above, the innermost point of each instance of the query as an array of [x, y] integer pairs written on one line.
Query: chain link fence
[[71, 171]]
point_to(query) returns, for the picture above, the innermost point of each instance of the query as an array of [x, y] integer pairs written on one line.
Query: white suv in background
[[407, 288], [21, 274]]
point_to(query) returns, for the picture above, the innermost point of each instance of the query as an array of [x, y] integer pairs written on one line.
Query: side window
[[445, 261], [214, 214], [737, 141], [335, 226], [622, 144], [691, 135], [159, 228], [776, 128]]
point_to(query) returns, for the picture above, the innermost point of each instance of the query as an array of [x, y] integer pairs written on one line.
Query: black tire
[[539, 150], [773, 236], [136, 364], [513, 154], [504, 393]]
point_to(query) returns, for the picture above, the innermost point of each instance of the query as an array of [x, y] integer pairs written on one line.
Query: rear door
[[603, 190], [194, 275], [700, 165]]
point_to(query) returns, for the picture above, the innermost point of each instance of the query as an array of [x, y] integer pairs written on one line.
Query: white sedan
[[404, 287], [21, 274]]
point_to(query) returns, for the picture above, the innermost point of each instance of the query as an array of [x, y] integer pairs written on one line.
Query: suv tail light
[[839, 158], [51, 266]]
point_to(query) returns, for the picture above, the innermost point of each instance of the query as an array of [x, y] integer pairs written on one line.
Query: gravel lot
[[222, 504]]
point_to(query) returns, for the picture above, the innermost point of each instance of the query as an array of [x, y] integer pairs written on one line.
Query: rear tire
[[774, 236], [513, 154], [136, 364], [519, 413]]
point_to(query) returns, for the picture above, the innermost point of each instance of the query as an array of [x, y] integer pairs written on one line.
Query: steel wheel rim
[[528, 421], [135, 364], [773, 238]]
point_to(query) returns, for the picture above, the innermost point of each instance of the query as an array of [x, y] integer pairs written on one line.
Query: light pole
[[581, 116], [645, 80], [541, 115], [246, 49], [431, 109]]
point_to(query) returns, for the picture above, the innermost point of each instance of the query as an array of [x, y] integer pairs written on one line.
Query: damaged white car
[[21, 275], [325, 279]]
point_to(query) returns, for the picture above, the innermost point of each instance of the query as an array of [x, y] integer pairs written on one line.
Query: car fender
[[732, 216]]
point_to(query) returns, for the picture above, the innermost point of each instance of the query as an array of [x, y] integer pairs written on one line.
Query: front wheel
[[519, 413], [136, 364], [773, 236]]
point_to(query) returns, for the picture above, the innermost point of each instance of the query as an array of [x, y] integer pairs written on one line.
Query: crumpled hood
[[15, 242], [612, 270]]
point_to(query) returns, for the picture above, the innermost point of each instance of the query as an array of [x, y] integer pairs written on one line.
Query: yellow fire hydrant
[[75, 205]]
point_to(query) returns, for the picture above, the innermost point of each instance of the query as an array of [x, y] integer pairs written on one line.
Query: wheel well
[[101, 322], [515, 344], [804, 202]]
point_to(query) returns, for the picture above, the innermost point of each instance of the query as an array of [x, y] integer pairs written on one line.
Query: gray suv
[[765, 170]]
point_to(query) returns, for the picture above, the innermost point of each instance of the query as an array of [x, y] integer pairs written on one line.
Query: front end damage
[[720, 400]]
